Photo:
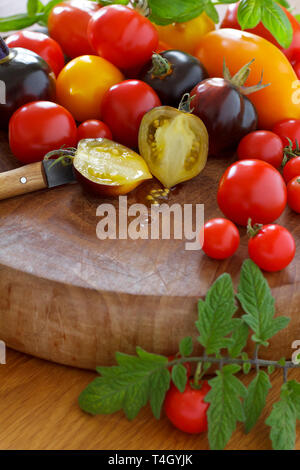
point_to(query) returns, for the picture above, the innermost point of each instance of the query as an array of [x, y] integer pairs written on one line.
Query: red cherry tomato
[[262, 145], [297, 69], [221, 238], [37, 128], [291, 169], [123, 108], [93, 129], [42, 45], [68, 22], [122, 36], [187, 410], [293, 191], [252, 189], [273, 248], [288, 129], [186, 365]]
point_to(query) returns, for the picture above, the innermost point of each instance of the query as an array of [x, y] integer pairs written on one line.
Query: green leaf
[[215, 320], [271, 369], [47, 9], [282, 361], [174, 11], [293, 388], [276, 21], [284, 3], [297, 18], [225, 408], [249, 13], [211, 11], [17, 22], [128, 386], [179, 377], [246, 367], [186, 346], [282, 421], [256, 299], [256, 399], [239, 337], [32, 7]]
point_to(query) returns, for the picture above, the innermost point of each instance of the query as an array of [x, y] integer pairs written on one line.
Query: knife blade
[[34, 177]]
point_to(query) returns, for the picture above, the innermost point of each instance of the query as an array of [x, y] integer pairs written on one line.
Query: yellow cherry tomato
[[186, 36], [82, 84]]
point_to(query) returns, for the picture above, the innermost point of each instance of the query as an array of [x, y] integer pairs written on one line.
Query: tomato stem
[[161, 67], [141, 6], [185, 103], [65, 156], [240, 78], [253, 230]]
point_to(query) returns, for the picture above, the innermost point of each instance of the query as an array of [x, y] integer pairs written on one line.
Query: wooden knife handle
[[27, 179]]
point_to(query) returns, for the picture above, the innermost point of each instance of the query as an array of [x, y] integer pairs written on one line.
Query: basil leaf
[[276, 21], [174, 11], [211, 11], [249, 13], [32, 7], [16, 22]]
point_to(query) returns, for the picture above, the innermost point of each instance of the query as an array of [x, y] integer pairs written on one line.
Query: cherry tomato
[[42, 45], [68, 22], [288, 129], [37, 128], [273, 248], [185, 36], [123, 108], [122, 36], [82, 84], [252, 189], [93, 129], [291, 169], [187, 411], [293, 194], [162, 47], [221, 238], [293, 51], [186, 365], [262, 145], [297, 69]]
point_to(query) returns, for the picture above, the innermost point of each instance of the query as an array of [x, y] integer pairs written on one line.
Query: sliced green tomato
[[174, 144], [114, 168]]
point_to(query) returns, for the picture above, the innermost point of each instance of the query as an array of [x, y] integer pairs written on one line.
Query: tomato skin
[[221, 238], [185, 36], [187, 411], [68, 22], [81, 97], [93, 129], [288, 129], [273, 248], [162, 47], [297, 69], [291, 169], [39, 127], [292, 53], [123, 108], [252, 189], [262, 145], [42, 45], [122, 36], [293, 191], [275, 102], [186, 365]]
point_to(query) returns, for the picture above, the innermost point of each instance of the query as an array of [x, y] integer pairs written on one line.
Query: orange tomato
[[280, 100], [185, 36], [82, 84]]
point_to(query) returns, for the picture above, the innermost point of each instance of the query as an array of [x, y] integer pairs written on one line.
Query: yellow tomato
[[186, 36], [82, 84]]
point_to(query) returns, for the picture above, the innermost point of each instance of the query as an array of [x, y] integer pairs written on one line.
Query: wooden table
[[38, 404]]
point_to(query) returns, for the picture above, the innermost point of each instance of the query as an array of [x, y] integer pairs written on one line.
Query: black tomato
[[24, 77], [172, 74], [225, 110]]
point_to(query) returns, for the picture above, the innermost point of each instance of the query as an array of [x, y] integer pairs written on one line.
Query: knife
[[33, 177]]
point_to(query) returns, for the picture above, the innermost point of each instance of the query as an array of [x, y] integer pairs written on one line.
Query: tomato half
[[68, 22], [122, 36], [221, 238], [252, 189], [37, 128], [82, 84], [42, 45], [174, 144], [187, 411], [123, 108]]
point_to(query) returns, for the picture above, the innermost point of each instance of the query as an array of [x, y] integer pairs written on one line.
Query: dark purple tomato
[[172, 74], [26, 77], [227, 114]]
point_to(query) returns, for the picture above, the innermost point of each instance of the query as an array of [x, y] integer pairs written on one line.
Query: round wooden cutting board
[[71, 298]]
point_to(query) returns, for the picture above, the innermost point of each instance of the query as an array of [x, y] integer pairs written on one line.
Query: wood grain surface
[[39, 411]]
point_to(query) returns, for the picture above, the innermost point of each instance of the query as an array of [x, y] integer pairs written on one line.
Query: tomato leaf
[[283, 417], [249, 13], [179, 377], [257, 301], [186, 346], [239, 338], [215, 320], [256, 399], [225, 406], [128, 386], [276, 21]]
